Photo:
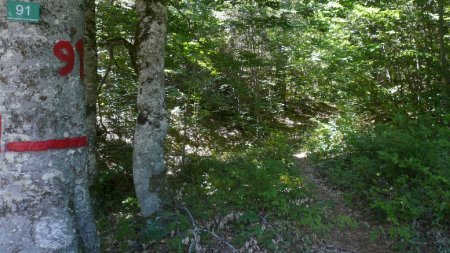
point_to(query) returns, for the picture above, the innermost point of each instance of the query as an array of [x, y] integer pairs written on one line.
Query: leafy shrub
[[261, 183], [401, 169], [260, 178]]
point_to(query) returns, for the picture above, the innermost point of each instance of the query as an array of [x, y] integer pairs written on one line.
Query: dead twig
[[196, 231]]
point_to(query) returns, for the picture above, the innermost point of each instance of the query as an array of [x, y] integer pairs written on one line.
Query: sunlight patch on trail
[[301, 155]]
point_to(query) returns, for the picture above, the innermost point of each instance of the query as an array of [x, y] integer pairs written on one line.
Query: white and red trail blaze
[[44, 145]]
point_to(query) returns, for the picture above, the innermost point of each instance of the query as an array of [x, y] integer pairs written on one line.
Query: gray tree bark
[[91, 83], [149, 170], [44, 201]]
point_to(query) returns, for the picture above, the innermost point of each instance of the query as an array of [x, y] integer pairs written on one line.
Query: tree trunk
[[44, 201], [90, 82], [151, 126], [442, 53]]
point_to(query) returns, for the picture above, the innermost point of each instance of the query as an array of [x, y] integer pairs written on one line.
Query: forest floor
[[339, 227], [353, 232]]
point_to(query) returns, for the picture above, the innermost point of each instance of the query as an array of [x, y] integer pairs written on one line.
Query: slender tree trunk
[[91, 83], [442, 52], [44, 201], [151, 126]]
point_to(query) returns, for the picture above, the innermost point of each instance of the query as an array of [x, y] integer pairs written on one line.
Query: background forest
[[360, 87]]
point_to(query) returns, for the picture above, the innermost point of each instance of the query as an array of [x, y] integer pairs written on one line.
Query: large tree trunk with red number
[[151, 126], [44, 202]]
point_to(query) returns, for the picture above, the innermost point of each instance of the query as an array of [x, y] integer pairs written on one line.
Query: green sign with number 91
[[23, 11]]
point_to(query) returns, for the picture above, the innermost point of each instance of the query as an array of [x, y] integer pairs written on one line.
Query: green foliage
[[117, 80], [314, 220], [114, 182], [338, 72], [346, 222], [400, 170], [260, 185], [249, 217], [124, 229], [261, 182], [264, 236], [263, 176]]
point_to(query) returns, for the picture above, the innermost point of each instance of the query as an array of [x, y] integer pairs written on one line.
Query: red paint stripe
[[34, 146]]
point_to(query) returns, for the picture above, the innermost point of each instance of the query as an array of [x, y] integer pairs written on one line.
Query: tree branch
[[111, 43]]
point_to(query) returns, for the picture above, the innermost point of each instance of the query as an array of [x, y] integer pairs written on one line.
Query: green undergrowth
[[263, 176], [262, 187], [401, 171], [254, 198]]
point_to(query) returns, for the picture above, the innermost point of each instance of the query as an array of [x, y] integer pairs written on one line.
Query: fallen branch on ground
[[196, 231]]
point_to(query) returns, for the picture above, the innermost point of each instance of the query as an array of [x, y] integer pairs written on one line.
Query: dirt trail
[[343, 239]]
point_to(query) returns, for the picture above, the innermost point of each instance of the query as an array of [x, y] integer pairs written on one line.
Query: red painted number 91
[[64, 51]]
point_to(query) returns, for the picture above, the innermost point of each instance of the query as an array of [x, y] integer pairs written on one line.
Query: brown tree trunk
[[149, 169], [44, 201], [90, 84]]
